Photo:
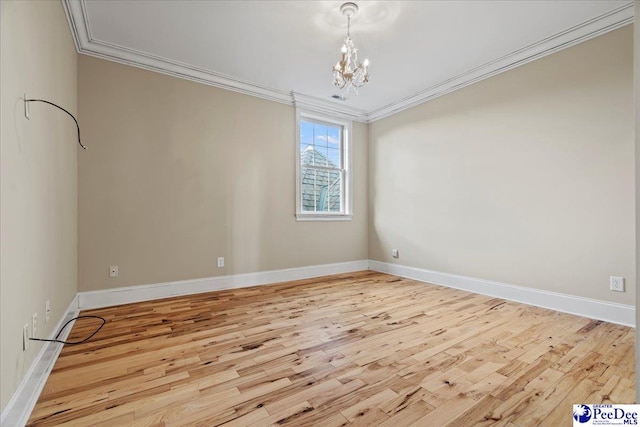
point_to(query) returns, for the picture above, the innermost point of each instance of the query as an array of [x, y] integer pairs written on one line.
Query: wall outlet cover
[[34, 324], [616, 283], [27, 112], [25, 337]]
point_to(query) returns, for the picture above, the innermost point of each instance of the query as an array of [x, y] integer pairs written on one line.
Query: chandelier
[[349, 73]]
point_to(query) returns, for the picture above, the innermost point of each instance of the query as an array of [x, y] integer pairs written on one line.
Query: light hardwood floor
[[354, 349]]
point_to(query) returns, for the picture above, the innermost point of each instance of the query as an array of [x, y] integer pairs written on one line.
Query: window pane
[[315, 156], [306, 133], [334, 192], [321, 190], [308, 189], [321, 156], [333, 137], [306, 154], [333, 157], [320, 135]]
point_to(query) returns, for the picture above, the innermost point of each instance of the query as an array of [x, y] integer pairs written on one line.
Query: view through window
[[322, 172]]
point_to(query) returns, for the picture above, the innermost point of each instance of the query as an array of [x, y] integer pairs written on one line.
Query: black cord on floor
[[74, 342]]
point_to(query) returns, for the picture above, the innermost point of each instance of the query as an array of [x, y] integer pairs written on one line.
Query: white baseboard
[[17, 411], [586, 307], [126, 295]]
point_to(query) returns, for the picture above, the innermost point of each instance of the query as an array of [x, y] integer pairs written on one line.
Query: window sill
[[322, 217]]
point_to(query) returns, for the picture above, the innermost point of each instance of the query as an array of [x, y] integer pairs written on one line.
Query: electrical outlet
[[47, 311], [113, 271], [25, 337], [616, 284], [34, 324], [394, 253], [220, 261], [27, 113]]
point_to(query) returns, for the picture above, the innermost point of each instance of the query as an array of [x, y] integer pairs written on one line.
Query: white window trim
[[347, 213]]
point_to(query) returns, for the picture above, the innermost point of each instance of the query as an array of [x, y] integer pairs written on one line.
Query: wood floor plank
[[353, 349]]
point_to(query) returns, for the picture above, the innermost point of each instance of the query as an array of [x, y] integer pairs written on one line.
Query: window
[[323, 168]]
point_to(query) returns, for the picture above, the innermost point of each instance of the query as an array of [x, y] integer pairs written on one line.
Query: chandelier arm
[[340, 85]]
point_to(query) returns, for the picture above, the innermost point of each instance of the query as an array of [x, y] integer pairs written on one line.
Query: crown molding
[[602, 24], [87, 45], [307, 102]]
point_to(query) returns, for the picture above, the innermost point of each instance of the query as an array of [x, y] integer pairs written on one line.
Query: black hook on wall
[[59, 107]]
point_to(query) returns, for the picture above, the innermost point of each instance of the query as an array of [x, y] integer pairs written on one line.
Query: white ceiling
[[417, 49]]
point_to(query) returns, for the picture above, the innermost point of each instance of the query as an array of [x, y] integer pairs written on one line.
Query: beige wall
[[178, 173], [526, 178], [636, 73], [38, 177]]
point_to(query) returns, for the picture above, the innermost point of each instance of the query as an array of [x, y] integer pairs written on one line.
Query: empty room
[[319, 213]]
